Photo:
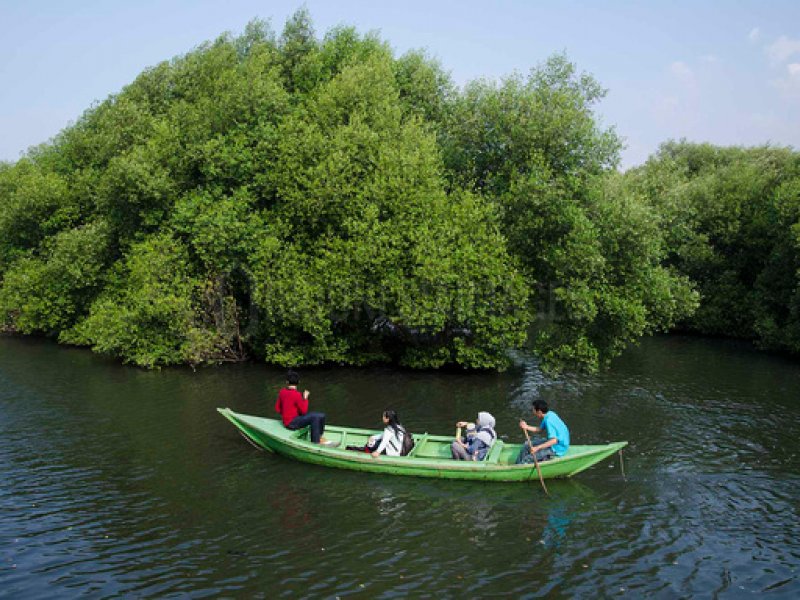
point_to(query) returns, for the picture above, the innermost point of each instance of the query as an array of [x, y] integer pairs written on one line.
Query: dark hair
[[540, 405], [394, 420], [292, 378]]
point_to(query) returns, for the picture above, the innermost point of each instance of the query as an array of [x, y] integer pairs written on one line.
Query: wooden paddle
[[536, 462]]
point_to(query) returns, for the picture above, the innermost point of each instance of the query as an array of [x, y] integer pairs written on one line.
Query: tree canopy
[[308, 199], [731, 220]]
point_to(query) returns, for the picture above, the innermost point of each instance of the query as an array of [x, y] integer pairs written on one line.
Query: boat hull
[[430, 458]]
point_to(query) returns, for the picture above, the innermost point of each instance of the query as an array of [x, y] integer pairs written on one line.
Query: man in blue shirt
[[556, 433]]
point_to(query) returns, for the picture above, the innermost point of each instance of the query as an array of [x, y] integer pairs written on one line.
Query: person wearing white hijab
[[478, 447]]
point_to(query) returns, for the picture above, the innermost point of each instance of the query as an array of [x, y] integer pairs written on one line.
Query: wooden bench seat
[[494, 453], [418, 444]]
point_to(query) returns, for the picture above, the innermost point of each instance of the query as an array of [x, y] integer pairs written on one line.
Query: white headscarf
[[486, 432]]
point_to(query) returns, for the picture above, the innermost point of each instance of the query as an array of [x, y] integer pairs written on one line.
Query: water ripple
[[117, 482]]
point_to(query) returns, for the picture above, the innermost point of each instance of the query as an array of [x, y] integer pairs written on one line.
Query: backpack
[[408, 443]]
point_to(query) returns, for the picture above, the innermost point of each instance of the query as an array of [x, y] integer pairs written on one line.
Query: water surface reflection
[[118, 481]]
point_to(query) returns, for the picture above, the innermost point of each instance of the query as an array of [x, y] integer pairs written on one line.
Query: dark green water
[[117, 481]]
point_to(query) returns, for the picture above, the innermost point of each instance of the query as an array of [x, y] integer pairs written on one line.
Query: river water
[[117, 481]]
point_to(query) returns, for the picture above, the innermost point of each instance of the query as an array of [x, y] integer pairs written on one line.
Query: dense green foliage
[[314, 200], [731, 217], [588, 247]]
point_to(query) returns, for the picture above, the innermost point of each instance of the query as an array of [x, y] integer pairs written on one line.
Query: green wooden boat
[[429, 458]]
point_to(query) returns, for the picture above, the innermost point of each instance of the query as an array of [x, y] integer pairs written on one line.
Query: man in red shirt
[[293, 408]]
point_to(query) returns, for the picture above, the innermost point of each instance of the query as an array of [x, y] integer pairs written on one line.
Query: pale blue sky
[[722, 72]]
